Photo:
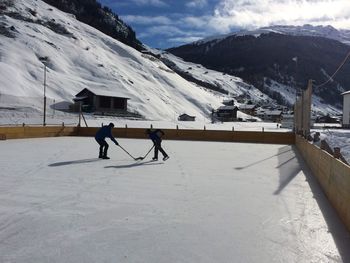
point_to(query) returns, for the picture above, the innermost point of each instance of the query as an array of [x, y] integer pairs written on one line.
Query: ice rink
[[210, 202]]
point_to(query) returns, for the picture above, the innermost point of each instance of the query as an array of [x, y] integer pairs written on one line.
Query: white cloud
[[257, 13], [197, 3], [158, 3]]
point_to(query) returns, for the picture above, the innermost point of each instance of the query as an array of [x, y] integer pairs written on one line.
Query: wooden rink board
[[202, 135], [332, 174]]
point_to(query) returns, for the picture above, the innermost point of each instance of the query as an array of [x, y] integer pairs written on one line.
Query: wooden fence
[[36, 132], [202, 135], [332, 174]]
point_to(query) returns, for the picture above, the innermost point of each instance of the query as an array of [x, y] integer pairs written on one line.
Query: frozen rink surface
[[210, 202]]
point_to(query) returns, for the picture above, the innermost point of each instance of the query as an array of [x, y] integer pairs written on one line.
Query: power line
[[331, 77]]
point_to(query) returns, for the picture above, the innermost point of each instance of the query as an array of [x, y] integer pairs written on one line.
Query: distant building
[[327, 119], [270, 115], [226, 113], [248, 108], [186, 117], [346, 109], [98, 100], [228, 102]]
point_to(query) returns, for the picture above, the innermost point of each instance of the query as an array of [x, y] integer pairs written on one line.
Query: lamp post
[[44, 121], [295, 59]]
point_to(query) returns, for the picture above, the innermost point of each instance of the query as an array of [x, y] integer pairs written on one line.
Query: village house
[[228, 102], [186, 117], [98, 100], [248, 109], [270, 115], [226, 113]]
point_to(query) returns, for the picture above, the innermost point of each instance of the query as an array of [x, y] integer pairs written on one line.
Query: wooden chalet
[[226, 113], [270, 115], [99, 100], [186, 117], [248, 109]]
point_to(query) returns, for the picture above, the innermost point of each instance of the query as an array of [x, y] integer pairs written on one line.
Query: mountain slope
[[78, 56], [265, 58], [103, 19]]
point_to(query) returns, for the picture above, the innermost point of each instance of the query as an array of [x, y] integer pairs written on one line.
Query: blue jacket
[[105, 131], [156, 136]]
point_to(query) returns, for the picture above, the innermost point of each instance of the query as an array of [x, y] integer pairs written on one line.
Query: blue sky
[[169, 23]]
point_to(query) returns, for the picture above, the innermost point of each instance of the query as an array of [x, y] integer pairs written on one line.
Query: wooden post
[[336, 152]]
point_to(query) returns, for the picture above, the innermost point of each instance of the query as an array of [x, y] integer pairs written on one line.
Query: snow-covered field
[[205, 204]]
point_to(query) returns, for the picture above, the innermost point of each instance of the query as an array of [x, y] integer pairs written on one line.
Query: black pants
[[103, 147], [158, 147]]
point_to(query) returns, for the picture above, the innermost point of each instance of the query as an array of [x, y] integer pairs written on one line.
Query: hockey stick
[[127, 152], [141, 158]]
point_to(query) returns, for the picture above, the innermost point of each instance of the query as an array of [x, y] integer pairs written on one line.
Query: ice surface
[[210, 202]]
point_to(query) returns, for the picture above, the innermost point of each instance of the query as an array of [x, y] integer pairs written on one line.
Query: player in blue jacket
[[102, 133], [156, 137]]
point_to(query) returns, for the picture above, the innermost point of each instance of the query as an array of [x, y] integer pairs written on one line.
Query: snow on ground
[[86, 58], [233, 85], [14, 118], [205, 204]]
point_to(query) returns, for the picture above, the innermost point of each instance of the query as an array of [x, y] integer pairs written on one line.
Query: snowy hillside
[[233, 85], [77, 57]]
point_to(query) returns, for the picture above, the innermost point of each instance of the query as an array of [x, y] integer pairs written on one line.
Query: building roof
[[185, 114], [271, 112], [103, 92], [227, 108], [346, 93], [247, 106]]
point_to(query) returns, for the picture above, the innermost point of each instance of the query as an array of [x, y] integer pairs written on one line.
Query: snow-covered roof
[[247, 106], [270, 112], [346, 93], [185, 114], [227, 108], [104, 92]]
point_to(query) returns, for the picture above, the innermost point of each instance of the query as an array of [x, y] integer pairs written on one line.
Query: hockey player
[[156, 137], [102, 133]]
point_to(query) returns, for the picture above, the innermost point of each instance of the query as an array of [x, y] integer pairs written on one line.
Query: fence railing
[[332, 174]]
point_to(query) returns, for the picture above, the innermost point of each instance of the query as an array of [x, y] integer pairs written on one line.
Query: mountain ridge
[[267, 57]]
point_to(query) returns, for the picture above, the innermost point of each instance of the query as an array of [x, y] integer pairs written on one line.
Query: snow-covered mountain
[[330, 32], [78, 56], [266, 58]]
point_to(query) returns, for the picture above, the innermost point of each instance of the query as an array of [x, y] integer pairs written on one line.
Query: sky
[[169, 23]]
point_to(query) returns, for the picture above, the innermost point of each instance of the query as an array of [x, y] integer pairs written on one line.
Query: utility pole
[[295, 59], [44, 121]]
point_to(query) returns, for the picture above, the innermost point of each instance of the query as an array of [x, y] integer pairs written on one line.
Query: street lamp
[[44, 121], [44, 60]]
